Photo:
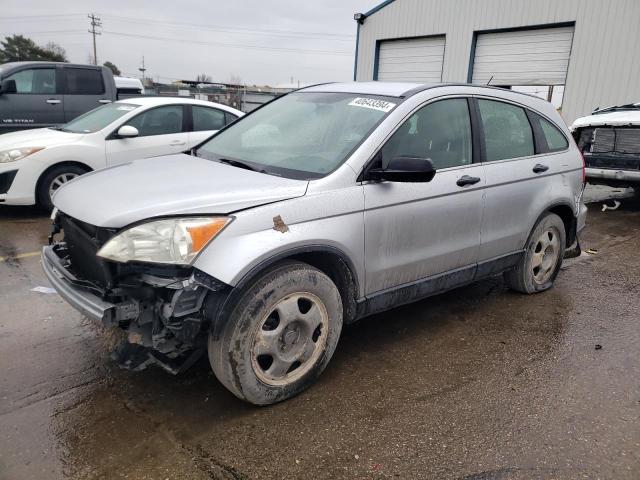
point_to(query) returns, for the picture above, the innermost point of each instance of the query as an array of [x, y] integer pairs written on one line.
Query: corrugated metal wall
[[604, 68]]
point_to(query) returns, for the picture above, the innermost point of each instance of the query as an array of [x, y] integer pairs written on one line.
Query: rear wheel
[[280, 336], [53, 180], [539, 266]]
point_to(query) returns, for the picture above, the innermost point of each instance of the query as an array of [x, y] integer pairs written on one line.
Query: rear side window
[[205, 118], [507, 130], [84, 81], [556, 141], [158, 121], [440, 131], [36, 80]]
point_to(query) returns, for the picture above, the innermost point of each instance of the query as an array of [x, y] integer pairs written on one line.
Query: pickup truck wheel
[[280, 336], [54, 179], [539, 266]]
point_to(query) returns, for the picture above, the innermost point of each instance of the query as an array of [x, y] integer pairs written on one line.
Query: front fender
[[330, 220]]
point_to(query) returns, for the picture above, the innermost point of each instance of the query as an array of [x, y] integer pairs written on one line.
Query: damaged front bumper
[[165, 318]]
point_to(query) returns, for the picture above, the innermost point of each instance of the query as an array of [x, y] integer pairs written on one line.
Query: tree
[[113, 68], [203, 78], [57, 53], [19, 48]]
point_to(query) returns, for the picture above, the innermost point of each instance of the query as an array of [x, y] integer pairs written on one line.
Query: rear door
[[414, 231], [161, 131], [205, 122], [84, 90], [520, 172], [38, 101]]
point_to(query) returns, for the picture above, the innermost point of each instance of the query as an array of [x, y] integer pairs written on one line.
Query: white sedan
[[35, 163]]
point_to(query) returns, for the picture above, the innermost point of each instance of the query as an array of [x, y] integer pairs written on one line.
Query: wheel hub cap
[[546, 253], [289, 339]]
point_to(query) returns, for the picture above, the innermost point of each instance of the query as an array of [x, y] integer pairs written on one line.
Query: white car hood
[[609, 119], [38, 137], [169, 185]]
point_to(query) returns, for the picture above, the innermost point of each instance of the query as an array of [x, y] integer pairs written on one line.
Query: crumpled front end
[[162, 309]]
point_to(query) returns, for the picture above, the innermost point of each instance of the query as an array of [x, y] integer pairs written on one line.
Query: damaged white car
[[322, 207], [609, 140]]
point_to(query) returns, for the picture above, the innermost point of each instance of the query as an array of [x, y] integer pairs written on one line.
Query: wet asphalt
[[476, 384]]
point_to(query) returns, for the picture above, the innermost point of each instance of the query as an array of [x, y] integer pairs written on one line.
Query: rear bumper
[[81, 299], [602, 174]]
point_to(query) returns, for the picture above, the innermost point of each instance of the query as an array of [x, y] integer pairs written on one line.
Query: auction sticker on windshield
[[372, 103]]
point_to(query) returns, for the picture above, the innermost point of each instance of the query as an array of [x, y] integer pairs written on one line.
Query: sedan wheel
[[59, 181]]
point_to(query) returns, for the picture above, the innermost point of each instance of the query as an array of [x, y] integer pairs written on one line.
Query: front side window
[[205, 118], [507, 131], [440, 132], [84, 81], [556, 141], [301, 135], [158, 121], [37, 80], [98, 118]]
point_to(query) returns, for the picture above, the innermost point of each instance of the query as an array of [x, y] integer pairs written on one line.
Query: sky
[[260, 42]]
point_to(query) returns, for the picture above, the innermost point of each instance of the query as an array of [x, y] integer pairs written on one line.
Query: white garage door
[[412, 60], [526, 57]]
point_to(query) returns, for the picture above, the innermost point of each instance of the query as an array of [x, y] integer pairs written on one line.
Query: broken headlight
[[171, 241]]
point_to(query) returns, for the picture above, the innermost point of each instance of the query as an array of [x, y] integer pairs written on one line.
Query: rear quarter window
[[556, 141]]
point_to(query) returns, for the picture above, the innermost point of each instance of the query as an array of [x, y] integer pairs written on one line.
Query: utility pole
[[95, 23], [142, 69]]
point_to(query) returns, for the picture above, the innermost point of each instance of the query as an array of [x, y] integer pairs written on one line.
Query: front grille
[[619, 140], [6, 179], [83, 242]]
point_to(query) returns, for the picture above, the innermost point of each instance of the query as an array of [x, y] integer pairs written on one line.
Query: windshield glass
[[99, 118], [302, 135]]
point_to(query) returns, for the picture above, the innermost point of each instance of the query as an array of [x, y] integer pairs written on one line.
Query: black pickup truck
[[43, 94]]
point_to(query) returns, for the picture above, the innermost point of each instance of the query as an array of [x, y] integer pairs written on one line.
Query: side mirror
[[8, 86], [405, 169], [127, 131]]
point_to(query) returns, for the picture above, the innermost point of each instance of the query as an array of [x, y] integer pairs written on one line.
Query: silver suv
[[329, 204]]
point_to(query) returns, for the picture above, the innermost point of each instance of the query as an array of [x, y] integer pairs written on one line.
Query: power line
[[231, 45], [95, 23], [285, 33]]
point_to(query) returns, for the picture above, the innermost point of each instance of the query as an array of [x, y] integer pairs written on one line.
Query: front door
[[414, 231], [37, 101], [161, 131]]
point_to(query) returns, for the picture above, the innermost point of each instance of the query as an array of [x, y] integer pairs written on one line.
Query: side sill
[[427, 287]]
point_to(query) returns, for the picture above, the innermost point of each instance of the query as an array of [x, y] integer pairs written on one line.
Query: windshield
[[302, 135], [99, 118]]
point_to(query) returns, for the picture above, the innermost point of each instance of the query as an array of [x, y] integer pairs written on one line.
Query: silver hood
[[169, 185]]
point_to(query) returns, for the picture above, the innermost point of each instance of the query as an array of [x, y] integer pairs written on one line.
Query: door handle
[[53, 101], [465, 180], [104, 100], [177, 143], [539, 168]]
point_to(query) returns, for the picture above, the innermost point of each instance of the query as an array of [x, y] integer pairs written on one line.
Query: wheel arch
[[74, 163], [328, 259], [566, 213]]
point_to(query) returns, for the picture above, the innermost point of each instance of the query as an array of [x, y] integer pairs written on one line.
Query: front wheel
[[280, 336], [539, 266], [54, 179]]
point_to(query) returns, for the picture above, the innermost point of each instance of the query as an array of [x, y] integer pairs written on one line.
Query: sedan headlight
[[172, 241], [14, 154]]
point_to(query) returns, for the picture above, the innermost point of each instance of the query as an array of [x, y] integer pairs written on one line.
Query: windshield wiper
[[239, 164]]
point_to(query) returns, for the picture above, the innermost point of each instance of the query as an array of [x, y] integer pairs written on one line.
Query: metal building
[[591, 47]]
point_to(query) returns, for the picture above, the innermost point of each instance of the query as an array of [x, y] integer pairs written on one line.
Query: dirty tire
[[547, 236], [55, 174], [280, 336]]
